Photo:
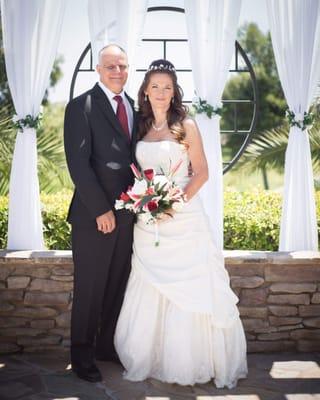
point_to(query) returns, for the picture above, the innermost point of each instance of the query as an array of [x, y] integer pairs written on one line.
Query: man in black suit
[[99, 134]]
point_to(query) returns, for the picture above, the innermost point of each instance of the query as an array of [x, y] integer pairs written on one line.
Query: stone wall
[[279, 299]]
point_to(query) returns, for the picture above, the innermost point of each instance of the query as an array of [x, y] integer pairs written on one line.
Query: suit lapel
[[134, 123], [107, 110]]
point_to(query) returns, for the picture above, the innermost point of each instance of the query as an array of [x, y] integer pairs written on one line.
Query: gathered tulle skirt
[[179, 322]]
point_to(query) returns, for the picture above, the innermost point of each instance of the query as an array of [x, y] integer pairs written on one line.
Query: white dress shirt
[[110, 95]]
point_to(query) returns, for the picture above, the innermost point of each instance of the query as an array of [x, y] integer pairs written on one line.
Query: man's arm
[[77, 141]]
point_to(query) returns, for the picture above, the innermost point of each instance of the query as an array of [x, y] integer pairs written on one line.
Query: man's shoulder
[[131, 102], [83, 100], [130, 99]]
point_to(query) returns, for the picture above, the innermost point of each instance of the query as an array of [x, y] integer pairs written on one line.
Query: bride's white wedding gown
[[179, 321]]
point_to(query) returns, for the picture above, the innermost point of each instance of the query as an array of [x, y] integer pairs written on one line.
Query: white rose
[[139, 187], [161, 180], [119, 204], [299, 117], [178, 205], [195, 100], [145, 217]]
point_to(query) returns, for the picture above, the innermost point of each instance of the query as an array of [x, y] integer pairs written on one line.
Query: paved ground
[[285, 376]]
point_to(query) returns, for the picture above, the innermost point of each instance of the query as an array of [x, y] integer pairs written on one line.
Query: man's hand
[[106, 222]]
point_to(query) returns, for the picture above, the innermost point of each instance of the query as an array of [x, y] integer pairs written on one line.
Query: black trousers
[[102, 264]]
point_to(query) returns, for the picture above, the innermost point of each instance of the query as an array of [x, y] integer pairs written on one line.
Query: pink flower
[[136, 205], [135, 171], [150, 190], [149, 174], [175, 168]]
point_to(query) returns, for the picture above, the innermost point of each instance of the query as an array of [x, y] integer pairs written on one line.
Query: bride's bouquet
[[152, 195]]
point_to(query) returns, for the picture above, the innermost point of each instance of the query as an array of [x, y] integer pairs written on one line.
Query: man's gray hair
[[110, 45]]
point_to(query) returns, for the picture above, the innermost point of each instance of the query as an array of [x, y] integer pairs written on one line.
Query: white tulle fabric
[[31, 31], [179, 321], [118, 22], [212, 31], [295, 33]]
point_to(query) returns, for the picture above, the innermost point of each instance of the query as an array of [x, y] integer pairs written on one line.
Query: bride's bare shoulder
[[189, 122], [191, 128]]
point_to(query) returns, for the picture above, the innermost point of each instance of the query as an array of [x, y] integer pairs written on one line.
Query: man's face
[[113, 69]]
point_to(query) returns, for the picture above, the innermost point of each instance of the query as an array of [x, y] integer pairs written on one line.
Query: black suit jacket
[[98, 156]]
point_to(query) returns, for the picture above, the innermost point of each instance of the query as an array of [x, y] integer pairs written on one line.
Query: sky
[[75, 37]]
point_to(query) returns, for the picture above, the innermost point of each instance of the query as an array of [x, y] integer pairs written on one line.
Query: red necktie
[[122, 115]]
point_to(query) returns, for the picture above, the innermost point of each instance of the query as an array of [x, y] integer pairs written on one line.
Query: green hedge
[[251, 220]]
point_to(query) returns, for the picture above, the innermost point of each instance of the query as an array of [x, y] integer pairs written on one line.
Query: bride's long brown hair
[[177, 111]]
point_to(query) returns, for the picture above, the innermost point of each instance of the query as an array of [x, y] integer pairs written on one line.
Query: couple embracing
[[164, 311]]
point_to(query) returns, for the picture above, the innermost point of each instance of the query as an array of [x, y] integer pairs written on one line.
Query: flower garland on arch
[[28, 122], [201, 106], [303, 121]]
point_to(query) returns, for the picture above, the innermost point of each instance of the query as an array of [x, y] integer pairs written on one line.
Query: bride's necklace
[[159, 128]]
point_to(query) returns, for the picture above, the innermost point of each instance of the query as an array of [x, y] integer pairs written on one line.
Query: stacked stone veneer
[[279, 299]]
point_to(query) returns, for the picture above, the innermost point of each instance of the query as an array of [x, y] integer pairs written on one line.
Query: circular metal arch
[[238, 51]]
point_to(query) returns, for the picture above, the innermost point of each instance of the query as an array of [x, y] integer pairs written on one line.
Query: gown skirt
[[179, 322]]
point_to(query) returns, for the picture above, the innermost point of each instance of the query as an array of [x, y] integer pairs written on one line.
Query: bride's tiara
[[161, 67]]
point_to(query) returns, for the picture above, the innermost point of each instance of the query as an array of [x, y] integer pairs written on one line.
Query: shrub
[[54, 210], [56, 229], [251, 220], [3, 221]]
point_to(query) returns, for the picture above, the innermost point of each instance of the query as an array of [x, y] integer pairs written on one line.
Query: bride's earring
[[145, 97], [172, 100]]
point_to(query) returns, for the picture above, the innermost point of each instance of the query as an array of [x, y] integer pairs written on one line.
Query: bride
[[179, 322]]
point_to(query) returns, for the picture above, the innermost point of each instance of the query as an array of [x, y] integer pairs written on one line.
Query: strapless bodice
[[162, 156]]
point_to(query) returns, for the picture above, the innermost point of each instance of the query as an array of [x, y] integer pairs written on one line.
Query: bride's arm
[[197, 158]]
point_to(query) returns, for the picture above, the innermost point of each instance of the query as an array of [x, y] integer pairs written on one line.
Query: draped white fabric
[[119, 22], [30, 37], [212, 27], [295, 32]]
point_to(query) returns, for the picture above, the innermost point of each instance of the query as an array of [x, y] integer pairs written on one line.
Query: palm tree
[[267, 151], [52, 171]]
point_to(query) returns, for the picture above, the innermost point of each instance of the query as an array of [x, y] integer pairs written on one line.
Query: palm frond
[[52, 170], [315, 146], [268, 150]]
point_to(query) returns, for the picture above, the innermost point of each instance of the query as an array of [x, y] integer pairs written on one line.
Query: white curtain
[[212, 28], [30, 37], [119, 22], [295, 33]]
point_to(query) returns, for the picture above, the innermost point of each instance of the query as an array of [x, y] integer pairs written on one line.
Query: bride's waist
[[181, 181]]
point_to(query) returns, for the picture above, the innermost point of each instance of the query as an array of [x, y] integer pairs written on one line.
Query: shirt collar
[[109, 93]]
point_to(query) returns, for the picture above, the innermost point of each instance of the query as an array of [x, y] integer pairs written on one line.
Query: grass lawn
[[241, 181]]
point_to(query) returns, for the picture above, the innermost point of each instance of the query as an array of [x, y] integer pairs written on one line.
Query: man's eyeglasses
[[113, 68]]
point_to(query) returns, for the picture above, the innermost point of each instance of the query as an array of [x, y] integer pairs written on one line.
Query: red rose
[[152, 205], [149, 174], [124, 196]]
